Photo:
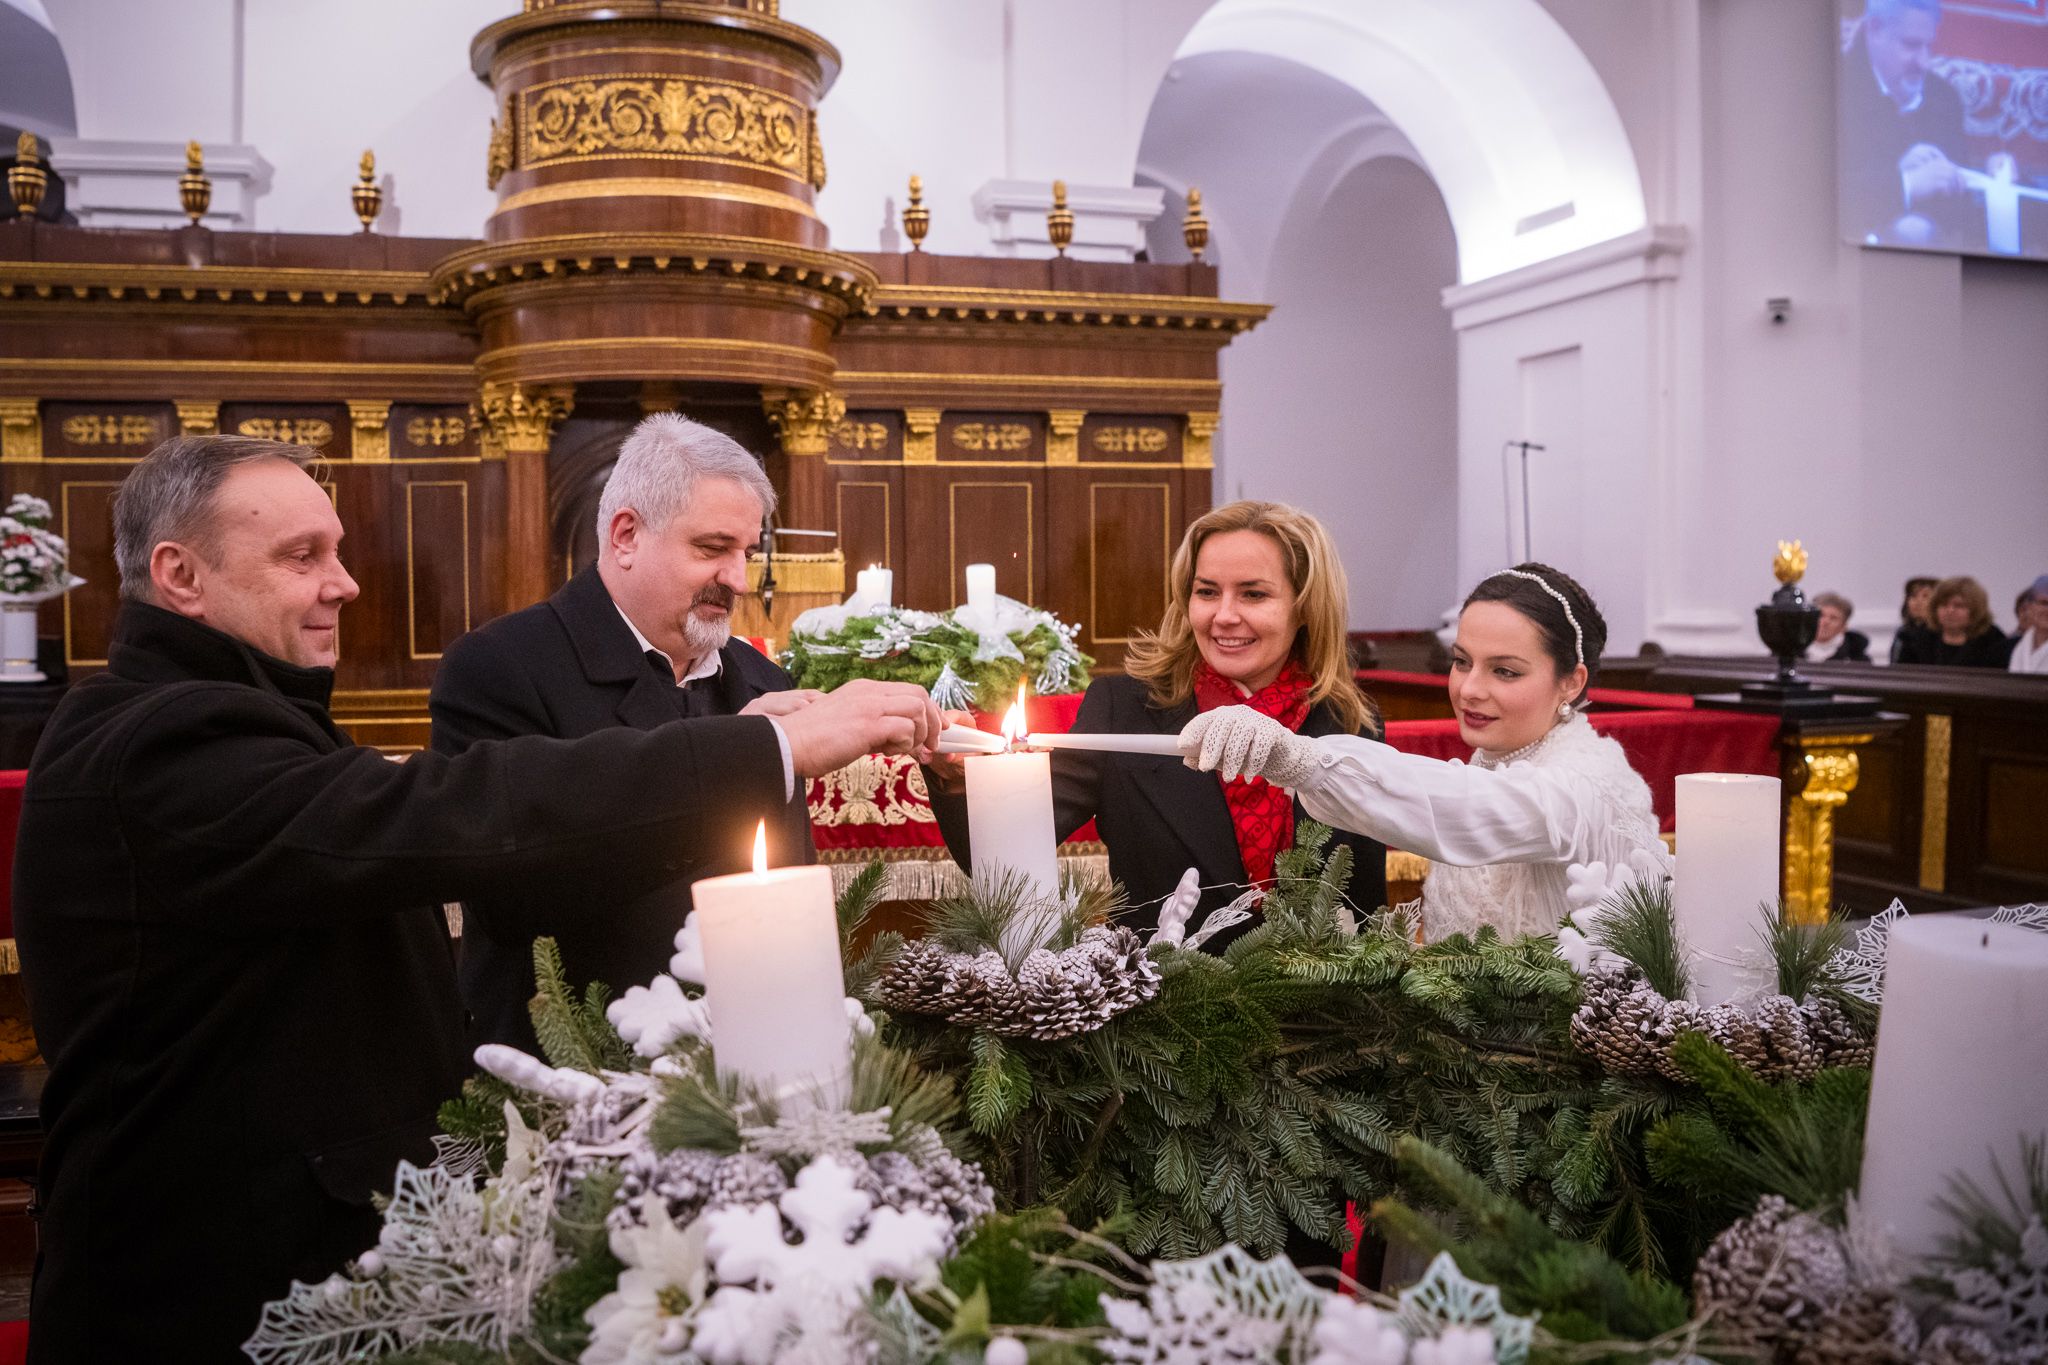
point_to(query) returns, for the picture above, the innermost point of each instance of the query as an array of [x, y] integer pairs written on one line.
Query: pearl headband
[[1578, 636]]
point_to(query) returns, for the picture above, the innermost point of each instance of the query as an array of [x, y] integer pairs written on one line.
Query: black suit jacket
[[570, 667], [1157, 816], [1875, 135], [231, 937], [1854, 649]]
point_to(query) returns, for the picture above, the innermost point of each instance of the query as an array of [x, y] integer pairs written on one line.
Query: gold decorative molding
[[434, 431], [21, 431], [371, 423], [921, 435], [1063, 435], [991, 437], [315, 433], [171, 284], [1198, 448], [1824, 769], [819, 573], [1940, 731], [522, 417], [817, 155], [111, 429], [537, 259], [962, 303], [861, 436], [652, 187], [803, 422], [489, 446], [198, 416], [1128, 440], [652, 114]]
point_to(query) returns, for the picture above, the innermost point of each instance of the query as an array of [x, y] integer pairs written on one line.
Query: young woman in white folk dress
[[1542, 793]]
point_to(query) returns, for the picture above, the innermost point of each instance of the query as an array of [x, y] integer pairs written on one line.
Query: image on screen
[[1942, 125]]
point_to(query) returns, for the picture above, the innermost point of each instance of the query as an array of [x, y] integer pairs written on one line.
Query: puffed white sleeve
[[1445, 811]]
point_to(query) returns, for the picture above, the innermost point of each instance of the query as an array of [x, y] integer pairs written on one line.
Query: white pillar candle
[[981, 592], [875, 585], [1961, 1070], [1728, 870], [1010, 829], [773, 979]]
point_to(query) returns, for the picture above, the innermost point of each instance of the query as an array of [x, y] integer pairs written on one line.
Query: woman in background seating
[[1964, 635], [1914, 618], [1834, 642], [2030, 646]]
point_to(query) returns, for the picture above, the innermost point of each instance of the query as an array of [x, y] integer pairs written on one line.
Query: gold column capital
[[803, 419], [1198, 440], [371, 420], [521, 418], [921, 435], [1063, 435], [198, 416], [21, 431]]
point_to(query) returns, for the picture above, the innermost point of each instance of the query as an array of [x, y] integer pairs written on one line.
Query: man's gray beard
[[706, 637]]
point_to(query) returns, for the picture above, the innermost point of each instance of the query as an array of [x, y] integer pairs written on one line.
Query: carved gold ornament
[[365, 195], [817, 150], [1059, 223], [878, 789], [522, 417], [1826, 771], [303, 431], [499, 159], [26, 178], [21, 431], [370, 427], [1198, 441], [195, 190], [977, 437], [917, 219], [661, 116], [110, 429], [861, 436], [1194, 227], [1129, 440], [436, 431], [1790, 563]]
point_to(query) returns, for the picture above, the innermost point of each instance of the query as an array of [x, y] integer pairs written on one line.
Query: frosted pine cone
[[1782, 1029], [916, 981], [1737, 1031], [1870, 1326], [1771, 1278], [1832, 1032], [1618, 1022], [746, 1178], [682, 1180]]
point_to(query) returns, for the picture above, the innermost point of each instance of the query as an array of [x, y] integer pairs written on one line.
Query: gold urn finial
[[1790, 564], [917, 219], [195, 191], [365, 194], [1194, 228], [26, 178], [1059, 224]]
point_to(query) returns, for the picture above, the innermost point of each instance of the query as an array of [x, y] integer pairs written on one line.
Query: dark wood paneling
[[2016, 813], [991, 516], [84, 507], [437, 565], [1131, 533], [870, 520]]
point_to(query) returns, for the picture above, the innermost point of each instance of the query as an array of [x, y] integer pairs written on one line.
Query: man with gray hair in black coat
[[229, 915], [640, 637]]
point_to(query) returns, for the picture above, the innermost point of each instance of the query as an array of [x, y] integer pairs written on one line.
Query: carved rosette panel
[[664, 116]]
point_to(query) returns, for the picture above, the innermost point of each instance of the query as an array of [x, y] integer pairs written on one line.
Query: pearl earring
[[1564, 710]]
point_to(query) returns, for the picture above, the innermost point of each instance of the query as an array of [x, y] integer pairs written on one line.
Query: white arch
[[1505, 111]]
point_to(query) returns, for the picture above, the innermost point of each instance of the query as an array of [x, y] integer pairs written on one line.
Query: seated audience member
[[1964, 635], [229, 915], [2030, 646], [1914, 615], [638, 639], [1834, 642]]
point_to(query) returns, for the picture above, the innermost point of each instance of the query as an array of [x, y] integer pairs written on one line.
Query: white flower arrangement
[[33, 558]]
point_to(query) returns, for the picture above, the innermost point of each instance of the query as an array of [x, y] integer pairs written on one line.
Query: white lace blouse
[[1500, 831]]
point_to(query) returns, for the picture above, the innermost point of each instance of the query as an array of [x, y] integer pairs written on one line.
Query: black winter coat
[[570, 667], [230, 932], [1157, 816]]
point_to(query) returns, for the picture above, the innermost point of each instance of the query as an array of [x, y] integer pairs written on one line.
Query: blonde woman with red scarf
[[1257, 618]]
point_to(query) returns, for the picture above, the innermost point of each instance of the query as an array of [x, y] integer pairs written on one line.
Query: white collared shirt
[[710, 666]]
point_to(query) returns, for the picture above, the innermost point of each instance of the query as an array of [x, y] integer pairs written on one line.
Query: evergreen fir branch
[[1988, 1230], [1639, 923], [865, 969], [1802, 952], [916, 1098], [478, 1115], [701, 1108], [998, 1087], [572, 1032], [858, 901]]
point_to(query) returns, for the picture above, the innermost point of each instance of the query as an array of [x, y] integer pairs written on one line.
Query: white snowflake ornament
[[772, 1291], [1226, 1306], [1457, 1346], [1352, 1332], [1444, 1300], [688, 962], [653, 1016], [1859, 968]]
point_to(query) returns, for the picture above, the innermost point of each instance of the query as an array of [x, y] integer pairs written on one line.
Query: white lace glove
[[1236, 741]]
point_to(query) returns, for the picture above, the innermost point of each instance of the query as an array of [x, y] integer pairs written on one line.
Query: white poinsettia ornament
[[646, 1319]]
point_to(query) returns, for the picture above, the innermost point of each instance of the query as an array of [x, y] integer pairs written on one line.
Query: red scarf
[[1262, 813]]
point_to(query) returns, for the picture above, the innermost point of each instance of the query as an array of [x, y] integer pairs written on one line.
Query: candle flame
[[1013, 720], [761, 847]]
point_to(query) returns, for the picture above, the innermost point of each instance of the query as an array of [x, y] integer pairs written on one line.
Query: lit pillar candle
[[1962, 1050], [773, 979], [1728, 869], [875, 584], [1010, 827], [981, 592]]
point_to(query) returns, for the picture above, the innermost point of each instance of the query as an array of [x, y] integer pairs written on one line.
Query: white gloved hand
[[1236, 741]]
